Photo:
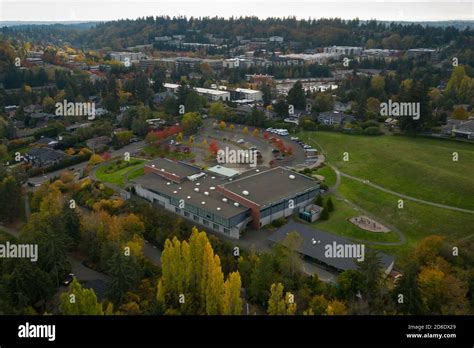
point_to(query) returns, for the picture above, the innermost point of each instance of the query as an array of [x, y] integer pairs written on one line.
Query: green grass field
[[416, 221], [418, 167], [135, 174], [329, 175], [338, 224], [114, 174]]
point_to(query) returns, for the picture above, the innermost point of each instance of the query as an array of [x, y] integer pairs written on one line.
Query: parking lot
[[237, 139]]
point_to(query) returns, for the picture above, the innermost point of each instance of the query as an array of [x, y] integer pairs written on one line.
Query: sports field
[[418, 167]]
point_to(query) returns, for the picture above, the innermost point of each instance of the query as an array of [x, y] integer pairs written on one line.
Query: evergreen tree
[[296, 96], [324, 213], [330, 205]]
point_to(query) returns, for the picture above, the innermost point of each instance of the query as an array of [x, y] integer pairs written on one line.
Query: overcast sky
[[73, 10]]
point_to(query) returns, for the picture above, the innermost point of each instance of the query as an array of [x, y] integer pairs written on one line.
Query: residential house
[[44, 156], [334, 118]]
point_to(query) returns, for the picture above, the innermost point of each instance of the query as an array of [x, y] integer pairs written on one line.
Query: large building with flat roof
[[225, 204]]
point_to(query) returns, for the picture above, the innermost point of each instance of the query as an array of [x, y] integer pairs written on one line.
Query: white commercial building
[[249, 94]]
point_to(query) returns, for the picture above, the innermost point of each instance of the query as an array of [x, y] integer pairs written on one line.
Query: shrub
[[372, 131], [370, 123]]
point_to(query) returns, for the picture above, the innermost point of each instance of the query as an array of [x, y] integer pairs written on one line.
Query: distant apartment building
[[379, 53], [127, 56], [231, 63], [431, 53], [210, 94], [246, 94], [276, 39], [344, 50]]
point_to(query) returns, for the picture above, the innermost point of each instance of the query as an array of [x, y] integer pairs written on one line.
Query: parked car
[[240, 141], [69, 278]]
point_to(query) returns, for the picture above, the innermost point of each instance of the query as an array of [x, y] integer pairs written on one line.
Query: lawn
[[416, 221], [329, 175], [116, 172], [418, 167], [135, 174], [339, 225]]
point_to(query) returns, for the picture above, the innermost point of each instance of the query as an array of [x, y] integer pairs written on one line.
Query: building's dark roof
[[185, 189], [316, 250], [467, 127], [46, 154], [271, 186], [180, 169], [335, 115], [45, 141]]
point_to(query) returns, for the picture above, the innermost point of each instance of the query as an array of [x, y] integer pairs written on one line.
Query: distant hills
[[458, 24]]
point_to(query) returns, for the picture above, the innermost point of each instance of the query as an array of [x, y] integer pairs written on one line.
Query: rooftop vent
[[236, 204], [292, 177], [212, 188], [196, 189], [153, 166], [179, 188], [168, 183], [245, 193], [206, 193], [218, 208], [189, 197], [198, 183], [175, 192], [213, 177], [203, 202], [162, 169], [224, 200]]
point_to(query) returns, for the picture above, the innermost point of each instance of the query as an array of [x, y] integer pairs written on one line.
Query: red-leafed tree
[[213, 147]]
